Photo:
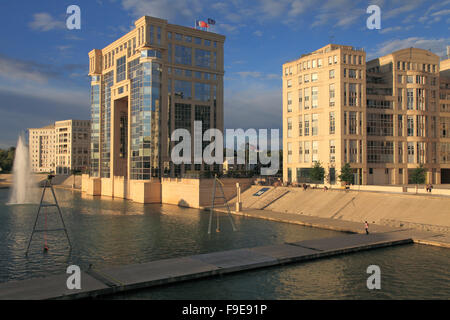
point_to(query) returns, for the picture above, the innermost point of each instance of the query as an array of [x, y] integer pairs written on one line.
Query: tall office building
[[383, 117], [60, 147], [157, 78]]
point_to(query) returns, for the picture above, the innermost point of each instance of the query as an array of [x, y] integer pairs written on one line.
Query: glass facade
[[145, 108], [202, 58], [183, 55], [108, 81], [202, 91], [95, 131]]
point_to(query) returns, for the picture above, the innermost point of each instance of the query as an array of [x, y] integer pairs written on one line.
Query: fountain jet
[[23, 189]]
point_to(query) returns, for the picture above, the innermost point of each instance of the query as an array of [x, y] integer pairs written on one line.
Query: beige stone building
[[60, 147], [384, 117], [156, 78]]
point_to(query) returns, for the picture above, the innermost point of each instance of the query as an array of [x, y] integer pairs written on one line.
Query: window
[[315, 152], [400, 125], [410, 152], [319, 63], [410, 99], [306, 95], [352, 122], [289, 127], [289, 153], [121, 69], [331, 74], [183, 89], [331, 94], [300, 126], [307, 145], [352, 73], [183, 55], [289, 83], [198, 40], [306, 125], [332, 123], [330, 60], [315, 124], [314, 63], [352, 98], [314, 77], [332, 151], [202, 91], [300, 80], [444, 127], [380, 151], [380, 124], [178, 37], [203, 58], [315, 98], [353, 148], [335, 59], [300, 151], [300, 98], [410, 126], [306, 78], [289, 102]]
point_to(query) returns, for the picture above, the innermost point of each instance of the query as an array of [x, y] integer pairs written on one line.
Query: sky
[[44, 66]]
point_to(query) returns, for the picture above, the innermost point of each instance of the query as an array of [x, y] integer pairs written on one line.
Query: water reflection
[[117, 232]]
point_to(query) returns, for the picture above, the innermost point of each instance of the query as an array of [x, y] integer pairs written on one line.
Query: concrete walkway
[[119, 279], [430, 238]]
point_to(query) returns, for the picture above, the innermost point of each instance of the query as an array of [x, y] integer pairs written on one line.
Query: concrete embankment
[[96, 282], [376, 207]]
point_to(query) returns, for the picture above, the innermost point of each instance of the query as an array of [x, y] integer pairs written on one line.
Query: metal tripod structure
[[211, 210], [48, 184]]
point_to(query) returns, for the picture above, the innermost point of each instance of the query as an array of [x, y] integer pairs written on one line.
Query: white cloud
[[395, 29], [258, 33], [43, 21], [405, 6], [437, 46]]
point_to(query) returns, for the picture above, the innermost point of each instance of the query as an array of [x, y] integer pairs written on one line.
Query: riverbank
[[110, 280]]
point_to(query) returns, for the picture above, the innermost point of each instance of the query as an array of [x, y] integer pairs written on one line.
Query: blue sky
[[43, 65]]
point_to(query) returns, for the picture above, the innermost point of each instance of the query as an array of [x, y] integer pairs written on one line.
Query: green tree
[[418, 176], [317, 172], [7, 159], [346, 174]]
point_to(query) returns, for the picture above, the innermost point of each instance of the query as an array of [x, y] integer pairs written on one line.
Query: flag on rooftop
[[211, 21], [201, 24]]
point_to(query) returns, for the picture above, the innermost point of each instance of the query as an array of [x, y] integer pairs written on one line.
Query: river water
[[116, 232]]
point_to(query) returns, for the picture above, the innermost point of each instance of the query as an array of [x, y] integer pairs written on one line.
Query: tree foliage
[[7, 159], [317, 172], [346, 174], [418, 175]]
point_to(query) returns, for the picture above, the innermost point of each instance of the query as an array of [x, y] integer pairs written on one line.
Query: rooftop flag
[[201, 24], [211, 21]]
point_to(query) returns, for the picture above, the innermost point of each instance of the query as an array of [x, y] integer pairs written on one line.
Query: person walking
[[366, 226]]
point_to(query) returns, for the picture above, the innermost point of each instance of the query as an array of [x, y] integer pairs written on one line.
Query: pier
[[110, 280]]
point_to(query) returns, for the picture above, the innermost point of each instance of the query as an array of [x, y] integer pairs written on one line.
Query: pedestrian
[[366, 226], [430, 187]]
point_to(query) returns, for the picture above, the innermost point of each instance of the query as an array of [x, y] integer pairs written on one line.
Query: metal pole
[[60, 215], [37, 216]]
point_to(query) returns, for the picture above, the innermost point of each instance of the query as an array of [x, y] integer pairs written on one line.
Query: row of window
[[377, 151], [189, 73], [418, 79], [406, 66], [190, 39]]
